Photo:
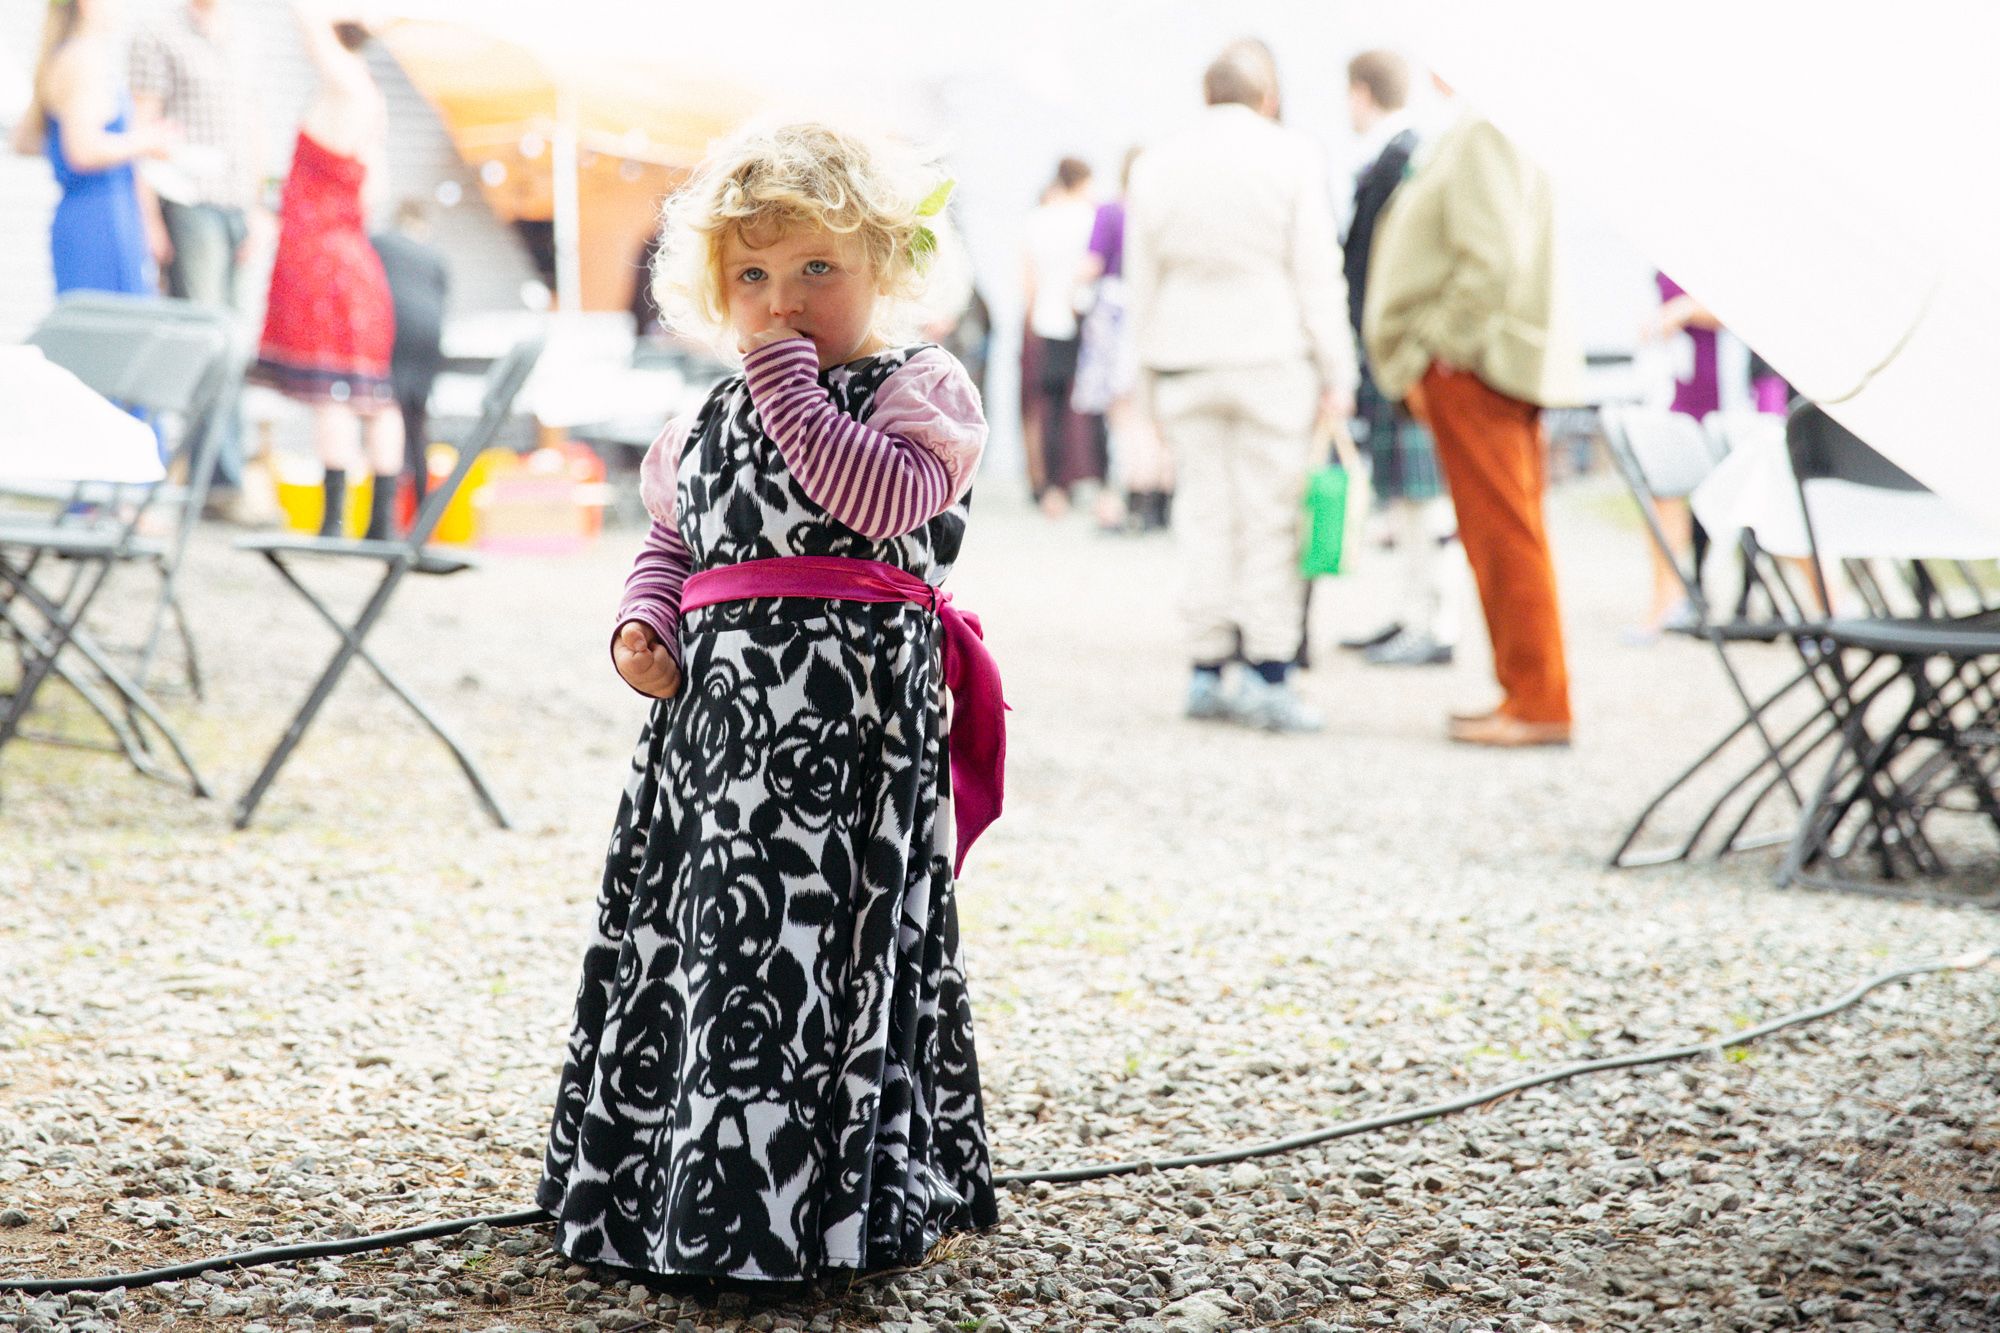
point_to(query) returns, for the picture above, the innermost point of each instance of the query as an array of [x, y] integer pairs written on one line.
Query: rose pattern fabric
[[771, 1069]]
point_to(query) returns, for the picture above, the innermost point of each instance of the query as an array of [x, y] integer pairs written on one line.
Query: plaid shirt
[[195, 74]]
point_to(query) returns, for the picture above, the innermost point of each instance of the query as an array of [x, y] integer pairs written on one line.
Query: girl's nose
[[786, 300]]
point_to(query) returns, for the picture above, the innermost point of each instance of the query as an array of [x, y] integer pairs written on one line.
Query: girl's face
[[811, 281]]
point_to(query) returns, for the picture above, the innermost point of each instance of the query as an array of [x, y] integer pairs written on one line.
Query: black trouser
[[416, 422]]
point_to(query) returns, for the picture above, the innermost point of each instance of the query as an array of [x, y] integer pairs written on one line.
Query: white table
[[55, 428], [1752, 488]]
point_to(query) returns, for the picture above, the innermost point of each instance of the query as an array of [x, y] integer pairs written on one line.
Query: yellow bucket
[[302, 495]]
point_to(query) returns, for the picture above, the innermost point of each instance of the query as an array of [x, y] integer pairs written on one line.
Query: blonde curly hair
[[769, 181]]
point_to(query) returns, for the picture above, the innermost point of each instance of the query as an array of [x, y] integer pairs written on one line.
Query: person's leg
[[1066, 442], [1677, 524], [384, 437], [1034, 436], [1440, 529], [416, 431], [1490, 447], [203, 270], [195, 271], [1203, 540], [1270, 454], [337, 441]]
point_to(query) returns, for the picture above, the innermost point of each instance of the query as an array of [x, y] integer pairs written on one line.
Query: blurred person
[[1404, 471], [779, 905], [1107, 375], [1233, 277], [80, 115], [1063, 446], [329, 325], [955, 315], [419, 287], [203, 218], [1463, 320], [1694, 338]]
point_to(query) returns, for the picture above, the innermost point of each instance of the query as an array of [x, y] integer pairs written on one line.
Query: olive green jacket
[[1464, 270]]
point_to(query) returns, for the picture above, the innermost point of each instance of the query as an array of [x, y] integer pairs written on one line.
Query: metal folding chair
[[1664, 455], [1921, 736], [70, 338], [398, 559], [171, 361]]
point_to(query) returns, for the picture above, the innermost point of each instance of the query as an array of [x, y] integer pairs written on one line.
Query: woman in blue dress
[[82, 118]]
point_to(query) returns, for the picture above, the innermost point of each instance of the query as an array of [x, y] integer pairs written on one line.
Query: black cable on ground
[[1663, 1055]]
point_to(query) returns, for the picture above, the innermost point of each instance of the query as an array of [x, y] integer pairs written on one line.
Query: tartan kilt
[[1400, 449]]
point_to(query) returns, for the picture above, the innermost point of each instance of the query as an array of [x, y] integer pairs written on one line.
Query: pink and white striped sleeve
[[653, 589], [909, 462]]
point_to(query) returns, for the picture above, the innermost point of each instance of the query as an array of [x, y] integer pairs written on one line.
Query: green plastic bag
[[1324, 524]]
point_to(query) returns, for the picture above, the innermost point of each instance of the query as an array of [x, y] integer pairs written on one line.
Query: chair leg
[[1867, 782], [136, 699], [1753, 718], [294, 733], [64, 633], [62, 617], [108, 711], [351, 647], [1848, 714], [190, 655]]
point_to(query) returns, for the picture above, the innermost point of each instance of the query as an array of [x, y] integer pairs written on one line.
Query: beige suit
[[1238, 310]]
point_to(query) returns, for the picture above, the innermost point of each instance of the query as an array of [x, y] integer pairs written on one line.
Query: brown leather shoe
[[1498, 729]]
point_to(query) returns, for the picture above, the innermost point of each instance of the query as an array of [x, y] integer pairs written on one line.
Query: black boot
[[382, 507], [336, 503]]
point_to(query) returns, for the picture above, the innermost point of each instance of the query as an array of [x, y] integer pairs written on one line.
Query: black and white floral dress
[[771, 1069]]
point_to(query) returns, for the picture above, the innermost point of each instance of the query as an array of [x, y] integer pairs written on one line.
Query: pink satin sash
[[977, 745]]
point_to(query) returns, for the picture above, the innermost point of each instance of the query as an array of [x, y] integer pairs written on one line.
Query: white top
[[57, 428], [1058, 239]]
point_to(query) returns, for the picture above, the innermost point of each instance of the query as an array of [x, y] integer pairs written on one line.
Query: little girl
[[771, 1068]]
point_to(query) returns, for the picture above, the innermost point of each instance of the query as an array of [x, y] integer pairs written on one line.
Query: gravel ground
[[350, 1017]]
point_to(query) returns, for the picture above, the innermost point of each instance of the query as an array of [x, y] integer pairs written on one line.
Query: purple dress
[[1697, 382]]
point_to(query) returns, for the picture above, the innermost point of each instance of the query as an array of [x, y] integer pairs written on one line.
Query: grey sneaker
[[1277, 708], [1410, 648], [1206, 701]]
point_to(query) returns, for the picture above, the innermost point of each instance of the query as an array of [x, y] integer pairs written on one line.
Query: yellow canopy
[[625, 130]]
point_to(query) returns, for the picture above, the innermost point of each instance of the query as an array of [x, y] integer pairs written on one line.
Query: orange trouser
[[1490, 447]]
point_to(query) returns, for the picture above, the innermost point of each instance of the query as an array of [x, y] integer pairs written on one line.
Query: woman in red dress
[[328, 325]]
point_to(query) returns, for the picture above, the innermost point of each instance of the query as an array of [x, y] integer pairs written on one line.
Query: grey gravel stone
[[1181, 939]]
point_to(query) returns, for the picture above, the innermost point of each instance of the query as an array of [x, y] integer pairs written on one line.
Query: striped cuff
[[880, 485]]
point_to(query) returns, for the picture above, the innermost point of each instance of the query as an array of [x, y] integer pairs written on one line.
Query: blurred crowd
[[1204, 336], [152, 135]]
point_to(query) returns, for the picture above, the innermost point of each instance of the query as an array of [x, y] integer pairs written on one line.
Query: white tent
[[1819, 175]]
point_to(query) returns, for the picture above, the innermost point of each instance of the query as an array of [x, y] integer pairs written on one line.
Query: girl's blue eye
[[753, 275], [818, 267]]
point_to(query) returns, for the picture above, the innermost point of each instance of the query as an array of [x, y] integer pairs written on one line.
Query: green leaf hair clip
[[923, 245]]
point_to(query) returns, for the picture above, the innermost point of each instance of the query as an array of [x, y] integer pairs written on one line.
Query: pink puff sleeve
[[659, 470], [931, 401]]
